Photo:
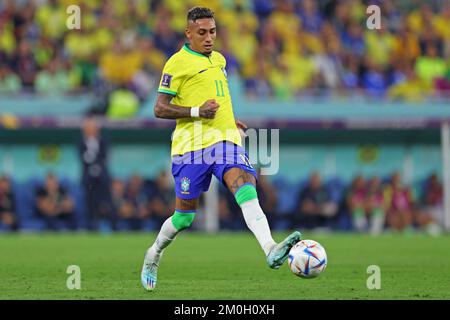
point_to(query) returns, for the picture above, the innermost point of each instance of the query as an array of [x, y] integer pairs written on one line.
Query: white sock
[[377, 224], [257, 222], [165, 236], [360, 223]]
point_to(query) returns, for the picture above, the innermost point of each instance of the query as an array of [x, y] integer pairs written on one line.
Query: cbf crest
[[185, 184]]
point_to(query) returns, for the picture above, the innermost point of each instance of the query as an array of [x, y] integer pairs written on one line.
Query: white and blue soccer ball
[[307, 259]]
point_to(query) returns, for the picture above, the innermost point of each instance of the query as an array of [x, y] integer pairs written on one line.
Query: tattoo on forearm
[[170, 111], [164, 109]]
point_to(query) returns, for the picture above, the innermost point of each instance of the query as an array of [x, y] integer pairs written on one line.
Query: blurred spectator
[[123, 209], [152, 60], [310, 17], [430, 66], [349, 77], [400, 204], [258, 85], [356, 203], [130, 202], [81, 46], [10, 83], [407, 48], [119, 65], [441, 26], [365, 202], [393, 14], [432, 214], [137, 196], [397, 73], [51, 18], [433, 197], [127, 43], [243, 44], [328, 66], [315, 208], [53, 80], [262, 8], [8, 216], [380, 45], [25, 65], [374, 81], [375, 205], [353, 39], [162, 199], [411, 89], [284, 19], [123, 104], [54, 204], [93, 151], [166, 39], [7, 38]]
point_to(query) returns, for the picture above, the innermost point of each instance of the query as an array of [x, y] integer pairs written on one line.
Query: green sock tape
[[182, 220], [245, 193]]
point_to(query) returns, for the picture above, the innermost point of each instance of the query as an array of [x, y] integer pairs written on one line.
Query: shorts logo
[[246, 161], [166, 80], [185, 183]]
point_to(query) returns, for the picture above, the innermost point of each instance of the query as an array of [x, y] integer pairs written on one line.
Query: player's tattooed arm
[[165, 110]]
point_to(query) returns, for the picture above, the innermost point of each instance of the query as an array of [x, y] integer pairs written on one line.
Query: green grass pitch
[[221, 266]]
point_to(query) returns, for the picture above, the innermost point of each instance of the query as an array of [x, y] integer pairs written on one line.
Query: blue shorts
[[193, 171]]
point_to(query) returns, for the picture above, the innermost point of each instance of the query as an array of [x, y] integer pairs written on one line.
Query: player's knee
[[182, 220], [245, 193]]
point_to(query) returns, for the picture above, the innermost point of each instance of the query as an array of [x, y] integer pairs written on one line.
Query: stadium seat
[[287, 201], [287, 194], [336, 187]]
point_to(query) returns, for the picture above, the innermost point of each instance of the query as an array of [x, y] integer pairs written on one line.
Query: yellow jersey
[[193, 78]]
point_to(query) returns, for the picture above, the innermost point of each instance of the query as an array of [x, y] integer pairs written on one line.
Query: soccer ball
[[307, 259]]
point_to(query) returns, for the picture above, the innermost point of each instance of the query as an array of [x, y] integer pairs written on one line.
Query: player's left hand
[[241, 126]]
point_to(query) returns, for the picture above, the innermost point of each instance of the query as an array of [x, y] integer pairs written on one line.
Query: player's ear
[[187, 32]]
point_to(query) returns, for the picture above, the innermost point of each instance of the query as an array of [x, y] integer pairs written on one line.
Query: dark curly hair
[[199, 13]]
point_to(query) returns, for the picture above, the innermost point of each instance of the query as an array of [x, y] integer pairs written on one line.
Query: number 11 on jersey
[[219, 88]]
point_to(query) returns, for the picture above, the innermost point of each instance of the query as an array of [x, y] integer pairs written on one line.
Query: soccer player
[[194, 91]]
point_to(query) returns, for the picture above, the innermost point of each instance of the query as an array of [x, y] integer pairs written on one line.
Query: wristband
[[195, 112]]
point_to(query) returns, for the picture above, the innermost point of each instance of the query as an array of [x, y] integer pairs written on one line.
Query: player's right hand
[[209, 108]]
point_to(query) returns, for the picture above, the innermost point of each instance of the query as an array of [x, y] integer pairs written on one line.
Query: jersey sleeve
[[172, 77]]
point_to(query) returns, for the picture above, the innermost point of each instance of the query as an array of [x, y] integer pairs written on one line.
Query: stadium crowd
[[279, 48], [366, 204]]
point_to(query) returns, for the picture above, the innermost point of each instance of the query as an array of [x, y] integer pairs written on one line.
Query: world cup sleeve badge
[[166, 80], [185, 184]]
